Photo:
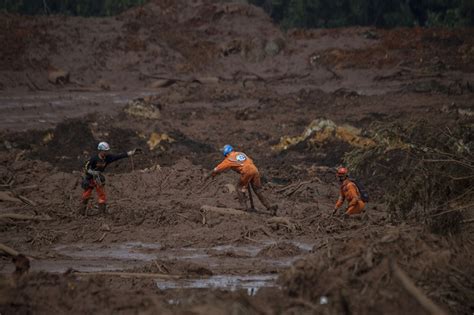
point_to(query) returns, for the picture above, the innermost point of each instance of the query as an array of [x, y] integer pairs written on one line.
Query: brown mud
[[217, 73]]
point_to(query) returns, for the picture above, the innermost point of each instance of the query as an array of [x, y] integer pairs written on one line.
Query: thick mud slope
[[180, 79]]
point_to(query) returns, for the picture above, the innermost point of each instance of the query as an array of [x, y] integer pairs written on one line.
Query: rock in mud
[[161, 83], [273, 47], [104, 85], [208, 80], [58, 76]]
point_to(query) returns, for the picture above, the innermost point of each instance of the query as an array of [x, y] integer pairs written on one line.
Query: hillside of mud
[[180, 79], [173, 42]]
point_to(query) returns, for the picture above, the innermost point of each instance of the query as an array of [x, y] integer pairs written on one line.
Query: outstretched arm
[[114, 157], [353, 194], [223, 166], [340, 202]]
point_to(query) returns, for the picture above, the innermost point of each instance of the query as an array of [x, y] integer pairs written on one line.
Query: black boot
[[102, 208], [264, 201], [242, 199], [83, 207]]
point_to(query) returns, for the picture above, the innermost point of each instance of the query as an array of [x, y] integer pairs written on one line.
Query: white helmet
[[103, 146]]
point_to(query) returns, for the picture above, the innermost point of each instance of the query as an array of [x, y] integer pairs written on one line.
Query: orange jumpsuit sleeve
[[352, 194], [223, 166]]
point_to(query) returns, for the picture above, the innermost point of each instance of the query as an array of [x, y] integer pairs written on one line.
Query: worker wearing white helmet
[[93, 177]]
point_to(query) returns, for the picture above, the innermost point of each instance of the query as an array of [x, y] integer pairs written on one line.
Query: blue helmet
[[227, 149]]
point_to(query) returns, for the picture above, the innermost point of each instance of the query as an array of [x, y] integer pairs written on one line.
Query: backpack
[[364, 195]]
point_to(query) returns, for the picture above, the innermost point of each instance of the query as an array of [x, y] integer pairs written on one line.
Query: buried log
[[226, 211], [128, 275], [8, 250], [16, 216], [165, 81], [8, 196], [219, 210], [411, 288]]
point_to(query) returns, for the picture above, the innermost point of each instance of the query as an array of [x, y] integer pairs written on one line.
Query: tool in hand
[[131, 158], [252, 208]]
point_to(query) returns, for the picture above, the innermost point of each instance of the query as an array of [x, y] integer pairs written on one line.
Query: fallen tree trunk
[[28, 187], [16, 216], [8, 250], [8, 196], [411, 288], [226, 211], [128, 275], [219, 210]]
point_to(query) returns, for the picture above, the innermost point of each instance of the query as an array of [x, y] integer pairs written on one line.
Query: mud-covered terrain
[[179, 79]]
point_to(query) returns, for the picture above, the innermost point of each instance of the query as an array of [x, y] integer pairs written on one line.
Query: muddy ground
[[209, 74]]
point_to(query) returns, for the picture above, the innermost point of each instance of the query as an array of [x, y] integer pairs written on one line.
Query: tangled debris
[[427, 170], [367, 276], [320, 131], [156, 139], [144, 108]]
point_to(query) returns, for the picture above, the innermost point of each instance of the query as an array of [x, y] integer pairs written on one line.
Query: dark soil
[[206, 65]]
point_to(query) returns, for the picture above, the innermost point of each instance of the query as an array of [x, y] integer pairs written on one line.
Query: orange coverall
[[349, 192], [100, 192], [242, 164]]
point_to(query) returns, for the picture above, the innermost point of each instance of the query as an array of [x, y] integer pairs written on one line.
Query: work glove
[[92, 172], [134, 151], [210, 175], [99, 179]]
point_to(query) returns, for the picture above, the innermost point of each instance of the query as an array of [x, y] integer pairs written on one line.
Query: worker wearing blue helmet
[[249, 176]]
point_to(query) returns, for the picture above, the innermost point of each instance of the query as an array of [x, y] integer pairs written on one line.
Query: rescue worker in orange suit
[[93, 177], [349, 192], [242, 164]]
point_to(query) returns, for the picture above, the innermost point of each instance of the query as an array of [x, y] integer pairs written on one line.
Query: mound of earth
[[211, 73], [341, 270]]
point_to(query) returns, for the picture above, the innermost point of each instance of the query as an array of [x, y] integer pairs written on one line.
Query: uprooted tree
[[426, 170]]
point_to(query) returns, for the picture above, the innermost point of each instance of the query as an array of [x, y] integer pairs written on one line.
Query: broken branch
[[218, 210], [24, 217], [411, 288], [8, 250]]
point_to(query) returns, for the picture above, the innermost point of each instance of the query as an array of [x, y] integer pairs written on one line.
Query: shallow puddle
[[251, 283], [124, 251], [220, 259]]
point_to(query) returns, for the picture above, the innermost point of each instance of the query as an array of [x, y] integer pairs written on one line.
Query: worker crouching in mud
[[249, 177], [349, 192], [93, 177]]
